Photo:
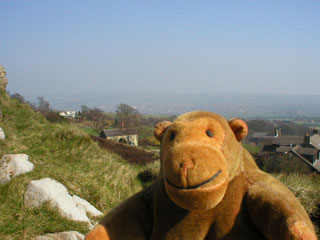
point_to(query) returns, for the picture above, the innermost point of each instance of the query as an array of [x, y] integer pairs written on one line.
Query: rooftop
[[120, 132], [286, 140]]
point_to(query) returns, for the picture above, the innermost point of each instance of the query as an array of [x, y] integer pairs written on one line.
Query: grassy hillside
[[67, 154], [62, 152]]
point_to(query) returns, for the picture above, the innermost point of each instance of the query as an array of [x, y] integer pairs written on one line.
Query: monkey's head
[[200, 155]]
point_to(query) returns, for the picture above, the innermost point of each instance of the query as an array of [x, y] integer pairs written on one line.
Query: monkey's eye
[[172, 136], [209, 133]]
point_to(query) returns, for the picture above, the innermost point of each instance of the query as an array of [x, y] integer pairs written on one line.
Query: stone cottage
[[123, 135], [305, 149]]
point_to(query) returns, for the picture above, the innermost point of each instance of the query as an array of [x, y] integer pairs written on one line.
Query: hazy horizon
[[229, 105], [163, 46]]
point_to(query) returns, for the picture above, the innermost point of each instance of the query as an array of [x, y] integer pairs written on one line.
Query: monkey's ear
[[239, 128], [160, 129]]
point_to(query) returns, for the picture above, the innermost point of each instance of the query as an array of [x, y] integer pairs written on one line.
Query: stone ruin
[[3, 78]]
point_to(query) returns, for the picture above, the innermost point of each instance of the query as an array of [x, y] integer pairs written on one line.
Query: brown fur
[[209, 187]]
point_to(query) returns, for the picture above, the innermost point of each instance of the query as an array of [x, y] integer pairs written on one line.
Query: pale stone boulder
[[12, 165], [85, 205], [48, 190], [2, 136], [71, 235]]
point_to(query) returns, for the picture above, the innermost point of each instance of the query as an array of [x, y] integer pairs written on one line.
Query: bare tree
[[127, 115], [95, 114], [44, 108], [43, 105], [85, 111]]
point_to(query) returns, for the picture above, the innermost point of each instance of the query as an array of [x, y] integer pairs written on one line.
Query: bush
[[54, 117], [287, 163]]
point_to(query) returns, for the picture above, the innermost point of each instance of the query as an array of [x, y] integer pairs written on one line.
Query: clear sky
[[50, 47]]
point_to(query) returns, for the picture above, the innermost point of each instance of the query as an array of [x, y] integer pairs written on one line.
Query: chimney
[[315, 132], [277, 132], [306, 139]]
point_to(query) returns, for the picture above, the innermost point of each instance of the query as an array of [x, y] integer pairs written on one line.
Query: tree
[[18, 97], [127, 115], [96, 115], [44, 108], [293, 128], [84, 111], [43, 105]]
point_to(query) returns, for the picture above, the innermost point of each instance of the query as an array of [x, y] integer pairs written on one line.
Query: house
[[69, 114], [305, 149], [260, 138], [123, 135]]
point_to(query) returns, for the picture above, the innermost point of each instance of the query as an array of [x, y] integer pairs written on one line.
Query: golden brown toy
[[209, 187]]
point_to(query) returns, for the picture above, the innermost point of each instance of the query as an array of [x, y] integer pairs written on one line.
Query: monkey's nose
[[188, 164], [184, 167]]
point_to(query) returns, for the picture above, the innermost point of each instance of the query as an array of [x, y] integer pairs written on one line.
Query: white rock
[[72, 235], [12, 165], [87, 207], [49, 190], [2, 136]]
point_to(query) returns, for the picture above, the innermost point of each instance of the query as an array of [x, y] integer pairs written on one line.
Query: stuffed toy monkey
[[208, 188]]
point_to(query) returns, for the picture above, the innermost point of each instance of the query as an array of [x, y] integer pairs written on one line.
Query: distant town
[[229, 105]]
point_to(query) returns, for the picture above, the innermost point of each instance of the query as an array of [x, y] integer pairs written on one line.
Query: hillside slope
[[67, 154], [64, 153]]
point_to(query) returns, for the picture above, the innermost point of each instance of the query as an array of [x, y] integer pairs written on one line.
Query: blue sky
[[51, 47]]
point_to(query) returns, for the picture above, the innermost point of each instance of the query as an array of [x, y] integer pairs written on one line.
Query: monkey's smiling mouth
[[195, 186]]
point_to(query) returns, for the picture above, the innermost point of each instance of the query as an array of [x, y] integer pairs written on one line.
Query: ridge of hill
[[62, 152]]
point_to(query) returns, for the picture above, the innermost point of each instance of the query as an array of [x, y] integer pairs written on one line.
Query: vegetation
[[91, 131], [307, 189], [287, 127], [252, 149], [42, 106], [284, 163], [95, 117], [127, 116], [134, 155], [68, 154], [65, 153]]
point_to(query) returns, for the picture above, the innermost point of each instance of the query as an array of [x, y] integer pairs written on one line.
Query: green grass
[[91, 131], [251, 148], [62, 152]]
